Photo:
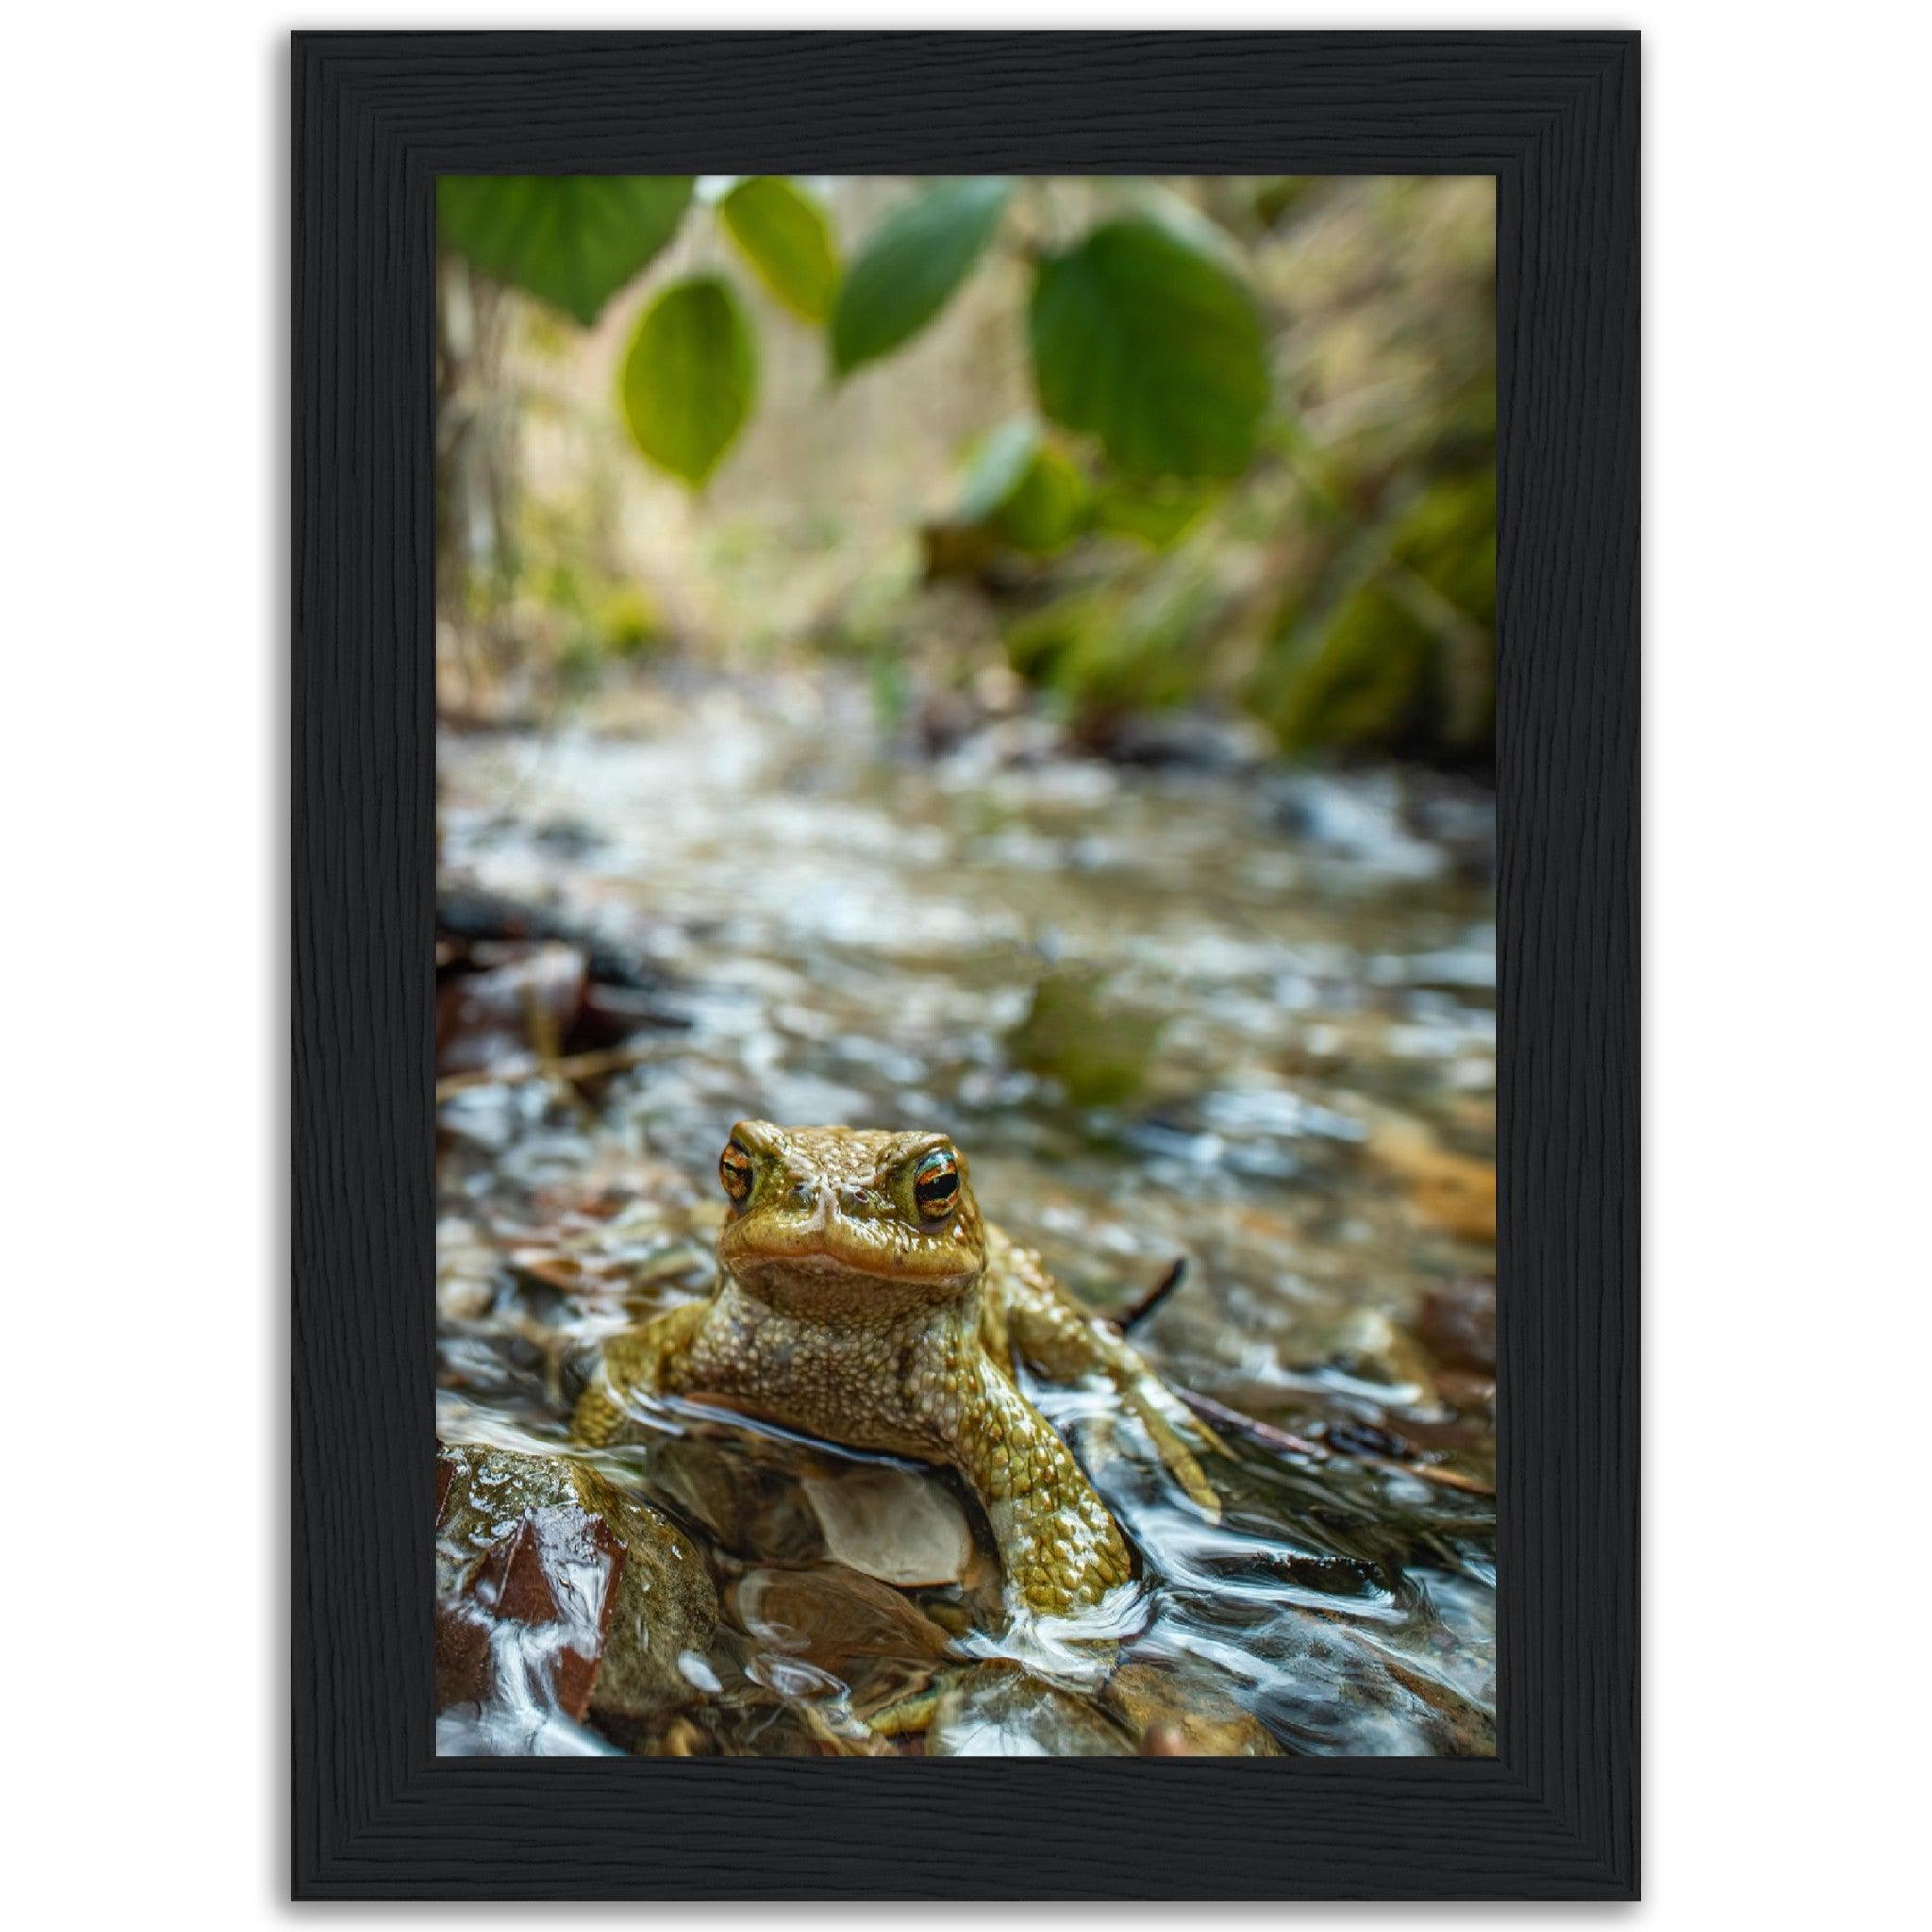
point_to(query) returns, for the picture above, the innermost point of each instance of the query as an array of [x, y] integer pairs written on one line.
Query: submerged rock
[[748, 1497], [1077, 1033], [520, 1001], [1455, 1192], [896, 1525], [1180, 1716], [996, 1710], [831, 1617], [556, 1593], [1458, 1323]]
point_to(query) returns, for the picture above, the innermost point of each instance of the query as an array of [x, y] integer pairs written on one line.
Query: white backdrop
[[142, 447]]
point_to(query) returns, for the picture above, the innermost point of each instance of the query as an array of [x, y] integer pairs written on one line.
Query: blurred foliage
[[1393, 630], [1024, 490], [1256, 471], [573, 239], [690, 377], [786, 237], [1135, 642], [905, 273], [581, 615], [1143, 335]]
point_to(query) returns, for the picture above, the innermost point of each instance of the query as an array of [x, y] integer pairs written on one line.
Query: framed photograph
[[965, 965]]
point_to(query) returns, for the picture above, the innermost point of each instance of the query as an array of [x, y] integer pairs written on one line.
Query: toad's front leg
[[646, 1360], [1060, 1549], [1043, 1327]]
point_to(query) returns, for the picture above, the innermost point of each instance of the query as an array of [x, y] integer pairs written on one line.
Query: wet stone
[[1175, 1714], [898, 1526], [1458, 1323], [466, 1271], [831, 1617], [556, 1591], [755, 1507], [1455, 1192], [522, 1000], [998, 1710]]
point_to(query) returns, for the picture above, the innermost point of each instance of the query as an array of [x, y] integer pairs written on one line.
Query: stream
[[1199, 1009]]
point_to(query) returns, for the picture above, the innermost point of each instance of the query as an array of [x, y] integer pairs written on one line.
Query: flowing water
[[1220, 1014]]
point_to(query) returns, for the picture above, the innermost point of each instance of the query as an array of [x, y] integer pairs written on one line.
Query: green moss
[[1077, 1035]]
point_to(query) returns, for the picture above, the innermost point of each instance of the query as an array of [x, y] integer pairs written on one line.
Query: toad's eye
[[936, 1184], [734, 1170]]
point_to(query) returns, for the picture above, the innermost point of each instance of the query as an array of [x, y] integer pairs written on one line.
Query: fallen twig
[[1129, 1319], [1205, 1407]]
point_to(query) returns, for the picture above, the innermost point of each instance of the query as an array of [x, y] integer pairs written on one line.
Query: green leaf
[[786, 238], [1024, 490], [919, 255], [1145, 335], [999, 465], [573, 239], [689, 377], [1049, 508]]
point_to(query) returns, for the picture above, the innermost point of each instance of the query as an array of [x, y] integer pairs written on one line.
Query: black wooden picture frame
[[376, 117]]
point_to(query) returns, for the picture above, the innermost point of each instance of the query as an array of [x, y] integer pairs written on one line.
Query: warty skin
[[863, 1299]]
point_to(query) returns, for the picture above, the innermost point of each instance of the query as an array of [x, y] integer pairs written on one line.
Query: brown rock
[[1178, 1716], [464, 1674], [1455, 1190], [1458, 1323], [525, 1000], [900, 1526], [605, 1596], [997, 1710], [830, 1616], [664, 1617]]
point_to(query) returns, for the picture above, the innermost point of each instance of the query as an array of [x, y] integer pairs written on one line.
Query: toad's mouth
[[819, 1256]]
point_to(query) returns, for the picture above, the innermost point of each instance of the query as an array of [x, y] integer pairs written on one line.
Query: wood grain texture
[[376, 117]]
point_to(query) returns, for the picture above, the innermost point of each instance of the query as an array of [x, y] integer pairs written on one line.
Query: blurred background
[[1097, 449], [1012, 657]]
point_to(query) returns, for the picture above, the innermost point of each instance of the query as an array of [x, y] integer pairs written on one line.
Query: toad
[[862, 1299]]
